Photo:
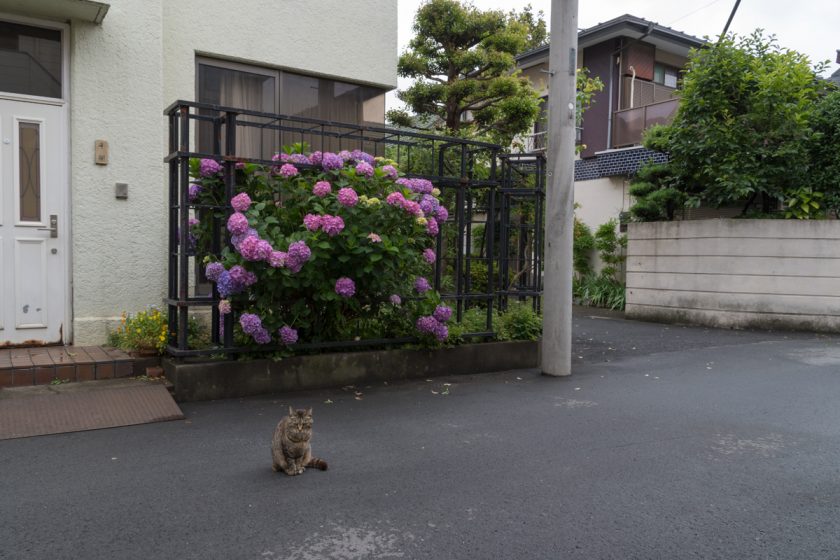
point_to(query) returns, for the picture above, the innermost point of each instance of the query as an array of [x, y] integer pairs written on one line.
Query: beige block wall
[[781, 274]]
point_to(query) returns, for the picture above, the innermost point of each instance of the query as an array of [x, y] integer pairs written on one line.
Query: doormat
[[76, 407]]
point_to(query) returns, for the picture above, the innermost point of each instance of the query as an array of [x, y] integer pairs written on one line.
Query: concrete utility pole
[[559, 198]]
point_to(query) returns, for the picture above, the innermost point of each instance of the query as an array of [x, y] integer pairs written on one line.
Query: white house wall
[[116, 94], [123, 74], [600, 200]]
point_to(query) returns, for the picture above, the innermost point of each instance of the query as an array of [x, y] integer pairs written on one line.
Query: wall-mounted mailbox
[[121, 190]]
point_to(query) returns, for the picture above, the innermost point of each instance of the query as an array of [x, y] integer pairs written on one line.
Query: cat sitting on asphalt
[[291, 451]]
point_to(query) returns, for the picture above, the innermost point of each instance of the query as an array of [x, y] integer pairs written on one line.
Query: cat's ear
[[309, 411], [291, 411]]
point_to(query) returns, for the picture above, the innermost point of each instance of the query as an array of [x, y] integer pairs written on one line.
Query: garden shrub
[[325, 247], [520, 322]]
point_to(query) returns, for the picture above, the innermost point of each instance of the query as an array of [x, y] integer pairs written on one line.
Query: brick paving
[[44, 364]]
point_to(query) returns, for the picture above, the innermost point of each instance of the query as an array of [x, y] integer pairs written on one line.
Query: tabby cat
[[290, 448]]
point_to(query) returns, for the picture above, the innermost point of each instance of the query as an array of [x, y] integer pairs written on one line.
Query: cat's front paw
[[301, 469], [290, 471]]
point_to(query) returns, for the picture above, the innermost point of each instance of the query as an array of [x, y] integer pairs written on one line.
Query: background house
[[640, 63], [83, 86]]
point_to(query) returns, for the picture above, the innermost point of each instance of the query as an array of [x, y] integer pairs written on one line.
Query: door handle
[[53, 229]]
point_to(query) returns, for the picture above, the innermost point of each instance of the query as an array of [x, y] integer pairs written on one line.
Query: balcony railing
[[629, 124]]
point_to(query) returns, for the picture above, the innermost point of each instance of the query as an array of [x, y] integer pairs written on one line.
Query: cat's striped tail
[[317, 463]]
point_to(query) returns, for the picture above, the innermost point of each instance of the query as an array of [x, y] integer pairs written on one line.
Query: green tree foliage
[[824, 151], [460, 59], [742, 132]]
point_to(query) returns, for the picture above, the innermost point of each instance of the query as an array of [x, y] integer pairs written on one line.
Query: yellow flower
[[372, 202], [435, 191], [421, 221]]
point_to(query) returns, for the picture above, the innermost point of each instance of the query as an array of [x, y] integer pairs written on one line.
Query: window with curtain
[[288, 93]]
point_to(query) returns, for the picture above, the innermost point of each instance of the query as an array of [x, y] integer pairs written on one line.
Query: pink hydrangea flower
[[253, 248], [390, 171], [396, 198], [321, 189], [374, 238], [442, 214], [241, 202], [224, 307], [277, 259], [237, 223], [395, 299], [288, 170], [412, 208], [432, 227], [364, 168], [347, 197], [312, 222], [209, 167], [429, 256], [332, 225], [345, 287]]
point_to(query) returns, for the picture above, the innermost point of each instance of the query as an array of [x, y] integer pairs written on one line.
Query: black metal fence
[[489, 250]]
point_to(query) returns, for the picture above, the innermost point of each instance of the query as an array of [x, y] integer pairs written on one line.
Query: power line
[[692, 12], [731, 15]]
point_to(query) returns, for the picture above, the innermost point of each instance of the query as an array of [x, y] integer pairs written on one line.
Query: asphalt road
[[666, 442]]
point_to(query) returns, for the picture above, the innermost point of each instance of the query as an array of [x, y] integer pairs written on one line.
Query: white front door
[[33, 183]]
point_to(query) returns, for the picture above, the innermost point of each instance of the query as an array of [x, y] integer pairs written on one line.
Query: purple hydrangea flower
[[209, 167], [288, 170], [359, 156], [288, 335], [277, 259], [297, 255], [347, 197], [345, 155], [429, 256], [224, 307], [213, 270], [237, 223], [330, 161], [312, 222], [332, 225], [345, 287], [226, 285], [241, 277], [442, 313], [422, 285], [426, 324], [261, 336], [429, 205], [421, 186], [396, 198], [321, 189], [315, 158], [250, 323], [194, 190], [390, 171], [364, 168], [395, 299], [432, 227], [241, 202], [441, 332], [299, 159], [281, 157], [239, 237], [442, 214]]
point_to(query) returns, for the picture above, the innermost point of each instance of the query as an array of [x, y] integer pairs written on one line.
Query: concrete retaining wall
[[201, 381], [780, 274]]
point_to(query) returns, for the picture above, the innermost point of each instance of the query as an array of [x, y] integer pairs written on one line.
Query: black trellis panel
[[512, 183]]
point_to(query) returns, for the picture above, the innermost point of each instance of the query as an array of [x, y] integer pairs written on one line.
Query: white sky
[[807, 26]]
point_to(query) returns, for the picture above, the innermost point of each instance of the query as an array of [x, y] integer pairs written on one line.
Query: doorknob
[[53, 229]]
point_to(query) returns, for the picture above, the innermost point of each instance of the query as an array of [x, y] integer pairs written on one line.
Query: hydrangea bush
[[324, 247]]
